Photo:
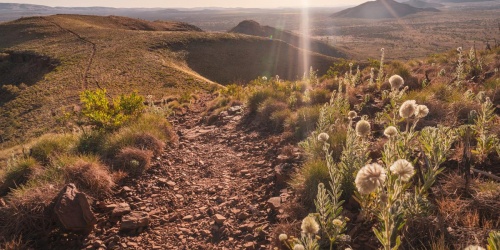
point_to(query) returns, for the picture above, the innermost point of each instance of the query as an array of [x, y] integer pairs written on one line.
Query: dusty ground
[[209, 191]]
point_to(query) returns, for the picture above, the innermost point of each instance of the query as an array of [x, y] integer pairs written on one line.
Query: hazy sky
[[190, 3]]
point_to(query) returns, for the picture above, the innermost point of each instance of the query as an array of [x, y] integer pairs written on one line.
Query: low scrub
[[51, 146], [133, 161], [18, 174], [89, 175]]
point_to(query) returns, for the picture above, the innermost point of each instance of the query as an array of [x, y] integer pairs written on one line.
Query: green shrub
[[50, 146], [103, 115], [305, 121], [308, 177], [257, 98], [266, 110], [319, 96], [278, 119], [91, 143]]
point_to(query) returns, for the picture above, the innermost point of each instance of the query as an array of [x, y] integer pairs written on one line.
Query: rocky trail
[[214, 189]]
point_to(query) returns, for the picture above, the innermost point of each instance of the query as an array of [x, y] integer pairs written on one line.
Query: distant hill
[[423, 4], [45, 62], [381, 9], [119, 22], [253, 28]]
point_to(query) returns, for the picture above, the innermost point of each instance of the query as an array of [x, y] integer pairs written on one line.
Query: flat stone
[[187, 218], [219, 219], [134, 220], [120, 210], [274, 203], [171, 183], [249, 245]]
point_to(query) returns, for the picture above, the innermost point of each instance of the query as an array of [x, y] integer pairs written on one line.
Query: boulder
[[72, 210]]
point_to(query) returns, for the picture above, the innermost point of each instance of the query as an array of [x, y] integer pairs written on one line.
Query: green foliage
[[104, 115], [494, 241], [305, 121], [436, 144], [257, 98], [312, 173], [487, 141], [338, 68]]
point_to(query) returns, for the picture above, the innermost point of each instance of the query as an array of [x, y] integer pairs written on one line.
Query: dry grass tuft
[[15, 244], [134, 161], [18, 174], [91, 176], [28, 213], [50, 146]]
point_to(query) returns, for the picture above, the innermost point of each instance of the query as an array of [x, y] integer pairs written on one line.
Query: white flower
[[421, 111], [396, 82], [352, 114], [337, 222], [309, 225], [283, 237], [298, 247], [403, 169], [363, 128], [473, 247], [322, 137], [408, 108], [369, 178], [390, 131]]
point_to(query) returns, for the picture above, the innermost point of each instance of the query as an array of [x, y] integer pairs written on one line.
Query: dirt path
[[85, 83], [209, 191]]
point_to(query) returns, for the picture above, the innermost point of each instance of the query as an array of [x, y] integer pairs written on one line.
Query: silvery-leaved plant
[[487, 141]]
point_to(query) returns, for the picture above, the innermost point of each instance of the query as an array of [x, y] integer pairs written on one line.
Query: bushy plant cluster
[[103, 115], [395, 187], [122, 140]]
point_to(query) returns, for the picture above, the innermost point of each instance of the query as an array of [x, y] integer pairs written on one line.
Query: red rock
[[120, 210], [219, 219], [187, 218], [134, 220], [274, 203]]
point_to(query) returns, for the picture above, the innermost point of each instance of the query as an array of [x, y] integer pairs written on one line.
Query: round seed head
[[421, 111], [298, 247], [323, 137], [408, 108], [403, 169], [352, 114], [309, 225], [283, 237], [396, 82], [390, 131], [363, 128], [369, 178]]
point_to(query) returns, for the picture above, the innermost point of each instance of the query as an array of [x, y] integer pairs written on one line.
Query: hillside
[[250, 27], [423, 4], [381, 9], [47, 61]]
